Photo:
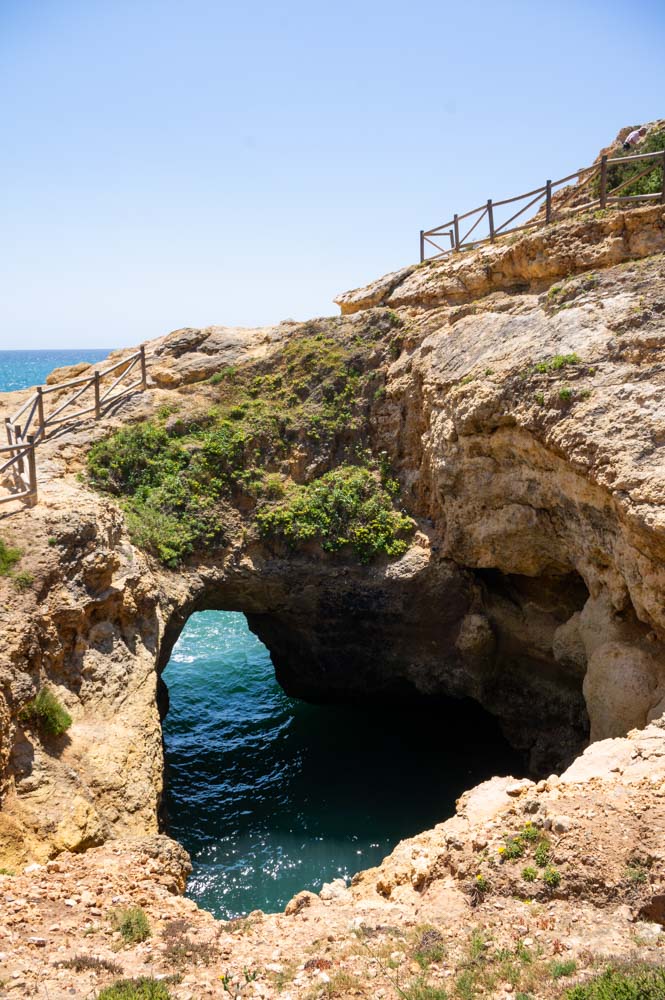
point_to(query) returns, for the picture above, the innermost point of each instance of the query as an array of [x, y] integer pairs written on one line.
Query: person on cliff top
[[634, 137]]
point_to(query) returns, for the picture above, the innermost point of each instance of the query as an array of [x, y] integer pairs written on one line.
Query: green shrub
[[513, 848], [8, 557], [542, 854], [23, 580], [617, 173], [565, 394], [529, 874], [637, 981], [557, 362], [530, 833], [551, 877], [348, 507], [47, 713], [562, 967], [136, 989], [132, 924]]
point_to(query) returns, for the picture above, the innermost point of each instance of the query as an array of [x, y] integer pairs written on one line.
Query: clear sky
[[171, 163]]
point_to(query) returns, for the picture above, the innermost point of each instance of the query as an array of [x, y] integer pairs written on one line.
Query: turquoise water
[[19, 369], [271, 795]]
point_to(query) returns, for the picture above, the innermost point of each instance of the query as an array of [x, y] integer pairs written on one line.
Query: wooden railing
[[547, 212], [34, 421]]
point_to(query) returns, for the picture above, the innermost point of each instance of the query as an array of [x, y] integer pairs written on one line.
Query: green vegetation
[[565, 394], [346, 507], [529, 874], [180, 478], [23, 580], [136, 989], [46, 712], [8, 557], [132, 924], [562, 967], [429, 948], [618, 173], [542, 854], [551, 877], [556, 363], [630, 981]]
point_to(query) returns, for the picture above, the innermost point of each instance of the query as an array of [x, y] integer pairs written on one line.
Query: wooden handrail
[[551, 212], [21, 444]]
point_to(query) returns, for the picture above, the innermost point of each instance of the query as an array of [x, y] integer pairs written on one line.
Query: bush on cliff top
[[628, 982], [136, 989], [47, 713], [180, 478], [619, 172], [346, 507]]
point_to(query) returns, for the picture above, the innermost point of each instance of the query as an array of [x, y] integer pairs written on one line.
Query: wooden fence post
[[548, 201], [144, 374], [32, 469], [422, 245], [456, 228], [17, 440], [490, 218], [98, 405], [40, 410], [662, 183], [603, 182], [8, 429]]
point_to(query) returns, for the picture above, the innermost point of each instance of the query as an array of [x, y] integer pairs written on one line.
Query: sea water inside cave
[[271, 795]]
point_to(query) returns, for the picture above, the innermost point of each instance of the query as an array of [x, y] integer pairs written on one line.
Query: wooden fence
[[547, 212], [34, 421]]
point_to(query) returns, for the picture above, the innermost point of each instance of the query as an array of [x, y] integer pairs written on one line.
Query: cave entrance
[[271, 795]]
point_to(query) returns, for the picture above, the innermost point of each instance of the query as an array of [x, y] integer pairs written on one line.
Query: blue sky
[[175, 163]]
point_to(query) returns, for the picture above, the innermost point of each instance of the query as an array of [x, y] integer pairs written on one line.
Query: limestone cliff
[[524, 429], [500, 414]]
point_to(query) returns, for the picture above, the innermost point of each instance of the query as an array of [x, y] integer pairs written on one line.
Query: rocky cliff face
[[521, 421]]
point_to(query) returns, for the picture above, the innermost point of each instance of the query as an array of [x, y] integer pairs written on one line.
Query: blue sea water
[[19, 369], [271, 795]]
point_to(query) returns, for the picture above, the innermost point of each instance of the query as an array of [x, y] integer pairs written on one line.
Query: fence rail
[[33, 421], [547, 212]]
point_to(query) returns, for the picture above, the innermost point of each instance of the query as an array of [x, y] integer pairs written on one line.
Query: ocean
[[271, 795]]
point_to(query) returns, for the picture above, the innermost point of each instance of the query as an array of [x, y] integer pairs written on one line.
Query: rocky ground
[[450, 909]]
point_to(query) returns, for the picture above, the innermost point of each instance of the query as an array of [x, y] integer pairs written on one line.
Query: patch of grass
[[90, 963], [143, 988], [46, 712], [429, 948], [562, 967], [636, 875], [7, 871], [565, 394], [420, 990], [8, 558], [529, 874], [132, 924], [629, 981], [542, 854], [540, 398], [23, 580]]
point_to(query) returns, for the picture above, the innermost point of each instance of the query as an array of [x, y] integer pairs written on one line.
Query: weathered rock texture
[[534, 582], [416, 921]]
